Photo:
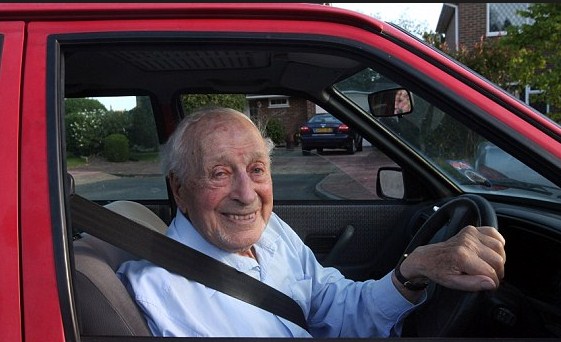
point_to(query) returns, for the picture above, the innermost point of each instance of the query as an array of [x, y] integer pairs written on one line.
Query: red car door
[[40, 224], [11, 47]]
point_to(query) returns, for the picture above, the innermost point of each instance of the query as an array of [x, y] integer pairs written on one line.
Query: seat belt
[[94, 219]]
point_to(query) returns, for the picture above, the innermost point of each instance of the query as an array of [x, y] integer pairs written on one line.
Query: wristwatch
[[416, 284]]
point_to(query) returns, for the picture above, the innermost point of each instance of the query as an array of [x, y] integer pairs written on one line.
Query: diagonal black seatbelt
[[176, 257]]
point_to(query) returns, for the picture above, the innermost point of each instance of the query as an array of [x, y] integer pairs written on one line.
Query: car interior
[[528, 303]]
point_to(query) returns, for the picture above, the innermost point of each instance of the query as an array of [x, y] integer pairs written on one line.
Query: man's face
[[402, 102], [230, 198]]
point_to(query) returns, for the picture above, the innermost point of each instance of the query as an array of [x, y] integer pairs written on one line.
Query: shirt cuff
[[393, 304]]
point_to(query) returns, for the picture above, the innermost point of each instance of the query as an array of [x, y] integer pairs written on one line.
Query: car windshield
[[470, 161]]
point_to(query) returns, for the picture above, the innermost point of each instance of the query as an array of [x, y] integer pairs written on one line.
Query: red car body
[[33, 304]]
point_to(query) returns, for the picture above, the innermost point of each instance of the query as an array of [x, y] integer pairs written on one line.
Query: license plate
[[323, 130]]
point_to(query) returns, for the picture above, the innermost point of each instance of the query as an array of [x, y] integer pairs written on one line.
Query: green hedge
[[275, 131], [116, 148]]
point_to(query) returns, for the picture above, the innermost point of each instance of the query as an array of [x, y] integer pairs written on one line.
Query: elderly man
[[219, 168]]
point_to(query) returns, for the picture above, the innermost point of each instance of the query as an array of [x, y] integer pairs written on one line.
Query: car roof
[[29, 11], [207, 66]]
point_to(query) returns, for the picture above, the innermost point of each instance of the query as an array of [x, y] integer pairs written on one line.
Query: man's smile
[[241, 217]]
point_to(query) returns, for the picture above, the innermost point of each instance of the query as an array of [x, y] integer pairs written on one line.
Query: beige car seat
[[103, 303]]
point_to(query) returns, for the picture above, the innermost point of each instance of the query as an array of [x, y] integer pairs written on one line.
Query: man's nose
[[243, 188]]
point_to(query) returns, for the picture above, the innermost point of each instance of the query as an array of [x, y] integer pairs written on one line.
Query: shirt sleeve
[[341, 307], [344, 308]]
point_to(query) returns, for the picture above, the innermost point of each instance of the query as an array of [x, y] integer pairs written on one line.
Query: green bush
[[275, 131], [116, 148]]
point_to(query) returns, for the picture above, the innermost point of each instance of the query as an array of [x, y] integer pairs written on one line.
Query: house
[[291, 112], [464, 24]]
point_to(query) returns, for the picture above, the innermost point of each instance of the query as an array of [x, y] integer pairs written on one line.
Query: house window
[[502, 15], [278, 102]]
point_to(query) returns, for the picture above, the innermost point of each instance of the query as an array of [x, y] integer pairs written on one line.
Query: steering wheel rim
[[447, 312]]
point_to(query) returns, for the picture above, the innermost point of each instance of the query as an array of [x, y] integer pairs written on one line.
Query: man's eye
[[218, 174], [258, 170]]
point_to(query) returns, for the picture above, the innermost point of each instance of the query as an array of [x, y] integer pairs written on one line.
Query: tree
[[434, 38], [81, 105], [143, 133], [412, 25], [489, 58], [88, 123], [83, 124], [364, 80], [539, 59], [191, 102]]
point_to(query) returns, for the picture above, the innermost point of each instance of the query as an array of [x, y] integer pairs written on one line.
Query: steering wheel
[[447, 312]]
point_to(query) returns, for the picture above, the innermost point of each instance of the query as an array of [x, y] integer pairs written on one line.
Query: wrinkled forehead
[[218, 135], [220, 124]]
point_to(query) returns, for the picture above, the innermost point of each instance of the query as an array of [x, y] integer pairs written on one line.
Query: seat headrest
[[70, 185], [138, 213]]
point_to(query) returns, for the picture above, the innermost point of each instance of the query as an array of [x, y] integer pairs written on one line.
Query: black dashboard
[[528, 303]]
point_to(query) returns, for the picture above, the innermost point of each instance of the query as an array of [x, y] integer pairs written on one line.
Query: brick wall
[[291, 117], [472, 22]]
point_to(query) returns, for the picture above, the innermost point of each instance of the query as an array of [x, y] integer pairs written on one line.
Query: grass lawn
[[145, 156], [72, 161]]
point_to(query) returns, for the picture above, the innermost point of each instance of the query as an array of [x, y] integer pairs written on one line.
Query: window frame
[[488, 7], [11, 54], [284, 102], [53, 76]]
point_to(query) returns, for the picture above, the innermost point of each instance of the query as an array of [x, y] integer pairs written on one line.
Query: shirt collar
[[182, 230]]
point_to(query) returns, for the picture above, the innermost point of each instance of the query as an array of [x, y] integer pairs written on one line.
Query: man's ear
[[176, 186]]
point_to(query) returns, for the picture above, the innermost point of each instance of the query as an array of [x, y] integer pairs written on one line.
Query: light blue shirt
[[333, 306]]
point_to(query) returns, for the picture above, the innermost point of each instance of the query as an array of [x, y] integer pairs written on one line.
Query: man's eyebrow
[[260, 155], [224, 158]]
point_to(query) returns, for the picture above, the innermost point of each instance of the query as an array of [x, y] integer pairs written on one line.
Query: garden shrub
[[275, 131], [116, 148]]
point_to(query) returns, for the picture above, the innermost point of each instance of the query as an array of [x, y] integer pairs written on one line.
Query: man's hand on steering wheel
[[471, 260], [457, 254]]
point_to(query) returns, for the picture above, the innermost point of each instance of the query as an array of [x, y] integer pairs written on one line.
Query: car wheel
[[305, 151], [351, 149], [359, 144]]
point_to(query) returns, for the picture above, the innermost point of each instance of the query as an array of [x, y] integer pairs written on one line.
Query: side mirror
[[390, 102], [389, 183]]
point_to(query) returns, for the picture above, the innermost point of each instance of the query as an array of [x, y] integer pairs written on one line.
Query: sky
[[425, 14], [418, 12]]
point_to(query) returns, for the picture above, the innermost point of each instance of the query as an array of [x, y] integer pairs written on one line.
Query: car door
[[353, 230], [331, 200], [43, 236], [11, 49]]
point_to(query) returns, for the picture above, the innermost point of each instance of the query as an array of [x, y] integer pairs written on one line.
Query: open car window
[[113, 152]]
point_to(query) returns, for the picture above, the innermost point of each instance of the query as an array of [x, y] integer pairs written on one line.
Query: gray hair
[[179, 145]]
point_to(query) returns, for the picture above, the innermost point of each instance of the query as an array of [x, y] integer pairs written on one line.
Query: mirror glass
[[390, 102]]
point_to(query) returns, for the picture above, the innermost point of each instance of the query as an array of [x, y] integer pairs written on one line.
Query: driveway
[[341, 176]]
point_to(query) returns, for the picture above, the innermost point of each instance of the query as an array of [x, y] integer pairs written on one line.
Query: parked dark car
[[326, 131]]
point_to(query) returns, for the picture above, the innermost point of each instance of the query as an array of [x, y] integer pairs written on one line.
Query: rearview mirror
[[390, 102]]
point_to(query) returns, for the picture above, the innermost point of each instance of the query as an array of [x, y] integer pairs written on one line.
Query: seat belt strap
[[178, 258]]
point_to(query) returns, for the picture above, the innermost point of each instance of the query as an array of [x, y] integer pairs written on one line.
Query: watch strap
[[417, 284]]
